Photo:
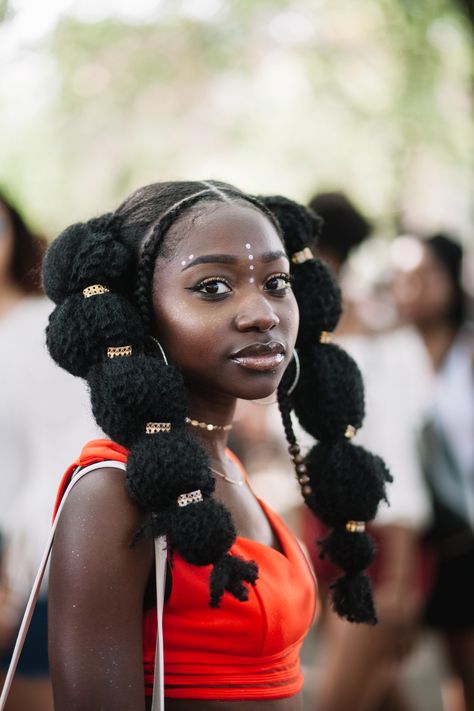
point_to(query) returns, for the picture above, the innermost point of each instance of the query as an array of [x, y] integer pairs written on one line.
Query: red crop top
[[240, 650]]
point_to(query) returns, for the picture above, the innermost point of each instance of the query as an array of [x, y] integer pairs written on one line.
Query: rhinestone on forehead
[[251, 266]]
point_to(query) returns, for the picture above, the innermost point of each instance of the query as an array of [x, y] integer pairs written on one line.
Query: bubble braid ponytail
[[87, 272], [341, 483]]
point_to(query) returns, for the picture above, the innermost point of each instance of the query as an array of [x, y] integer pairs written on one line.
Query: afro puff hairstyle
[[118, 251]]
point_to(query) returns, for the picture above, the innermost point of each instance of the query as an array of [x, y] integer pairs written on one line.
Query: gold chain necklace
[[207, 425], [227, 478]]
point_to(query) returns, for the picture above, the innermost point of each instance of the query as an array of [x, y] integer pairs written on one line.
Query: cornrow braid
[[341, 482]]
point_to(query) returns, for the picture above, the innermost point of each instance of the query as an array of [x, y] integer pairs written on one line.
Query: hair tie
[[154, 427], [355, 526], [304, 255], [192, 497], [94, 289], [118, 351]]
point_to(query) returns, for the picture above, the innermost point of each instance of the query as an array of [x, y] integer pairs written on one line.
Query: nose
[[256, 314]]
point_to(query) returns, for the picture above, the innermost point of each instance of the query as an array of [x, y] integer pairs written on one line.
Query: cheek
[[290, 320], [185, 333]]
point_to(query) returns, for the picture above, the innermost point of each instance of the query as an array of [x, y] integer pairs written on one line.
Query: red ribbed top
[[241, 650]]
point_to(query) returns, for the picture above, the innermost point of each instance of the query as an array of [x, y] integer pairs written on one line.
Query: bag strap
[[160, 567]]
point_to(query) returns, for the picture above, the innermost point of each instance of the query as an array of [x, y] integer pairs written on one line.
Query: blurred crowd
[[409, 328]]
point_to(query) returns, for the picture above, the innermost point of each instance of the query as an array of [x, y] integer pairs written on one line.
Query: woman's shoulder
[[98, 472], [99, 503]]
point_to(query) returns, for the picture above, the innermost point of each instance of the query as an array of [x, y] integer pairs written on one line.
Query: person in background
[[44, 415], [360, 666], [430, 295]]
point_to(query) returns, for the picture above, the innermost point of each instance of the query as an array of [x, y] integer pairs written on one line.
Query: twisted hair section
[[100, 275], [340, 481]]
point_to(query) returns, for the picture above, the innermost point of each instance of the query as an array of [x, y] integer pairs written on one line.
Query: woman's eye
[[213, 287], [278, 283]]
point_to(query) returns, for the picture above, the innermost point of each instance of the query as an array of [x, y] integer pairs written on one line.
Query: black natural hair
[[344, 227], [341, 482], [118, 251], [448, 252], [28, 250]]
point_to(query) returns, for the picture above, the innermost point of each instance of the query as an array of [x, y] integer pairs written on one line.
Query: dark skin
[[97, 582]]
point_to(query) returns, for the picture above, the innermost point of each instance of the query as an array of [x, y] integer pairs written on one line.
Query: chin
[[265, 387]]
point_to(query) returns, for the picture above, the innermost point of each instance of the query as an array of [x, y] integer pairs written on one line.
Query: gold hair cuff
[[302, 256], [355, 526], [116, 351], [350, 432], [154, 427], [192, 497], [325, 337], [94, 290]]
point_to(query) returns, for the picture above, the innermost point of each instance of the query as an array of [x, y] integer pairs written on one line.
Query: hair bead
[[350, 432], [325, 337]]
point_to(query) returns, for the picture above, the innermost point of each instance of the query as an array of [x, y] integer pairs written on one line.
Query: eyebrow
[[231, 259]]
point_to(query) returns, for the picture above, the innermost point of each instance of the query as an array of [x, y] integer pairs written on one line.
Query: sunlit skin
[[207, 310]]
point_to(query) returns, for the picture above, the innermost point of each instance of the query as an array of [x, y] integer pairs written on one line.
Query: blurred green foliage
[[276, 96]]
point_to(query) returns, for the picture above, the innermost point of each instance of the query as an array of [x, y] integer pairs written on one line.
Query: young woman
[[173, 307], [430, 295]]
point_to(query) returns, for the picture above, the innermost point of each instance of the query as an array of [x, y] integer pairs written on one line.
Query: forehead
[[225, 228]]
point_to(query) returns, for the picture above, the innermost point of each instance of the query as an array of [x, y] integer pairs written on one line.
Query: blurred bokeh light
[[100, 96]]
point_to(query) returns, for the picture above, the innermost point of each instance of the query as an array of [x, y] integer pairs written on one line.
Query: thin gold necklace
[[227, 478], [207, 425]]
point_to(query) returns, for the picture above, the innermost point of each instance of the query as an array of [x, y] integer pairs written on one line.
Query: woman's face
[[224, 309], [6, 243], [424, 293]]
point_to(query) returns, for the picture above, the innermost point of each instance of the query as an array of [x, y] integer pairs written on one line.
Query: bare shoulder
[[96, 591], [100, 519]]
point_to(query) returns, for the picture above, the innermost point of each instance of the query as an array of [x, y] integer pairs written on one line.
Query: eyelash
[[220, 280]]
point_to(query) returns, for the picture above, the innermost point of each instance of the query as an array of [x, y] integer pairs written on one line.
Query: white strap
[[158, 701], [160, 565]]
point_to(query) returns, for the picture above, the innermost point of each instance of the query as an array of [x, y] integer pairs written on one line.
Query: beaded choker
[[207, 425]]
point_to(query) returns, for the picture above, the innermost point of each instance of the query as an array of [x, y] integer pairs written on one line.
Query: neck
[[214, 411], [438, 337]]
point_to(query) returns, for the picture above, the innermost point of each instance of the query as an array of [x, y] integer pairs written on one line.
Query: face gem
[[247, 246]]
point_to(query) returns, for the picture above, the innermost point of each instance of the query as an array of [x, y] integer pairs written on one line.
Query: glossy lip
[[260, 356]]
